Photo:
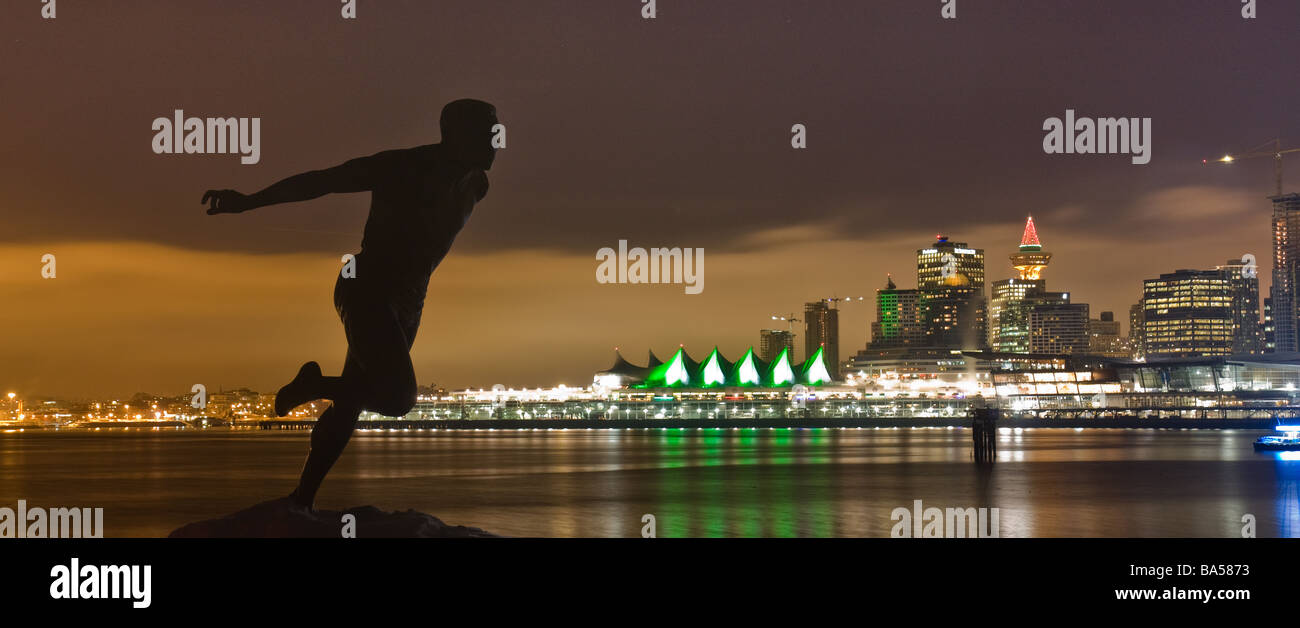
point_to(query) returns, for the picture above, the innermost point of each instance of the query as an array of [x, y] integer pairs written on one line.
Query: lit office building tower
[[950, 265], [1135, 326], [950, 276], [1243, 281], [1187, 313], [1286, 257], [900, 318], [772, 341], [1104, 337], [1058, 328], [822, 331], [1009, 313]]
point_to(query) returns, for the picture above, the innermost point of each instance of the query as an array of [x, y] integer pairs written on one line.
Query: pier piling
[[984, 431]]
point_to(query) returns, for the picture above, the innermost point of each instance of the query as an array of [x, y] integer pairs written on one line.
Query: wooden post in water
[[984, 431]]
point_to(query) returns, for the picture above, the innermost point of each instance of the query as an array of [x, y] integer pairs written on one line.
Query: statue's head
[[467, 132]]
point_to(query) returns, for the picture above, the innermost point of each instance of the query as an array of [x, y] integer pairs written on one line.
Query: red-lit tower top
[[1030, 239], [1031, 259]]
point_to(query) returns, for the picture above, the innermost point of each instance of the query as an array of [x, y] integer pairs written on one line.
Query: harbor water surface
[[696, 482]]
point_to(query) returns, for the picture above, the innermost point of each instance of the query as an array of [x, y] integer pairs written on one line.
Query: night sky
[[666, 132]]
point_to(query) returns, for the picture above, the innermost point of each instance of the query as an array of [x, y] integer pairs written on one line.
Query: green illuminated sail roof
[[813, 370], [715, 370], [747, 371], [781, 373], [680, 371]]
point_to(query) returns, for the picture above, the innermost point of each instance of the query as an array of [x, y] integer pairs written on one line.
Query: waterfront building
[[1223, 387], [1020, 384]]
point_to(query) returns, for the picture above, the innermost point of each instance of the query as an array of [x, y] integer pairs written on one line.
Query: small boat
[[1288, 441]]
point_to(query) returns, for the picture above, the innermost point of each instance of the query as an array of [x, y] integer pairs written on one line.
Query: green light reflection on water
[[720, 483]]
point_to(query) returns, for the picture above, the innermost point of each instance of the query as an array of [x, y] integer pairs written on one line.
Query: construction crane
[[835, 300], [1276, 153], [789, 321]]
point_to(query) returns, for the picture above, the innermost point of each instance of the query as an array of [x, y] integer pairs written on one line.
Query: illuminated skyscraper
[[1188, 313], [822, 331], [950, 265], [950, 277], [1286, 258], [1247, 332], [1009, 313], [1014, 299], [900, 318]]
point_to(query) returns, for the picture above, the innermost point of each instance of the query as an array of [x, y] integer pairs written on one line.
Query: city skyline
[[152, 295], [666, 349]]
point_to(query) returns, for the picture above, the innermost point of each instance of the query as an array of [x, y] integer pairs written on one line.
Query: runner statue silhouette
[[420, 199]]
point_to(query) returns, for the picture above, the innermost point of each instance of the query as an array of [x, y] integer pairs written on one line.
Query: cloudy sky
[[666, 132]]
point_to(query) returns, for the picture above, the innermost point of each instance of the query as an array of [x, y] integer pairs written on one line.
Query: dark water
[[743, 482]]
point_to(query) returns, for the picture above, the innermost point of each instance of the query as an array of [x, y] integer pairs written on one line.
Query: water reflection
[[1287, 502], [697, 483]]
